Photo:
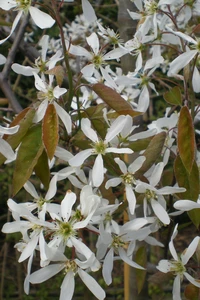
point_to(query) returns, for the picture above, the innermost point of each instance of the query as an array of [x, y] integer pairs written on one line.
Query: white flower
[[100, 148], [177, 265], [127, 178], [154, 196], [71, 268], [41, 19], [47, 94], [41, 63]]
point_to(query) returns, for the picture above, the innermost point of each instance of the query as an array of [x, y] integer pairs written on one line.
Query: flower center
[[177, 267], [46, 95], [128, 178], [117, 242], [65, 230], [23, 4], [70, 265], [150, 6], [150, 195], [99, 147], [98, 61]]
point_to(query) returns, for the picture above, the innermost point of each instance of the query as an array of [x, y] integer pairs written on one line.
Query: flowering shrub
[[84, 117]]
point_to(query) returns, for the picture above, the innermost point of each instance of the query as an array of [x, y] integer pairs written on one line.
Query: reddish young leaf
[[173, 96], [192, 292], [50, 130], [186, 138], [113, 99], [27, 156]]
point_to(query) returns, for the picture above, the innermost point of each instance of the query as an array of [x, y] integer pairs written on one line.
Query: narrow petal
[[121, 165], [66, 205], [92, 285], [67, 287], [156, 174], [187, 254], [29, 187], [46, 273], [98, 171], [130, 196], [108, 267], [93, 42], [80, 157], [64, 116], [9, 130], [113, 182], [119, 150], [28, 251], [52, 188], [195, 282], [115, 128], [41, 19], [181, 61], [136, 165], [160, 212], [186, 205], [176, 292], [88, 11], [127, 260], [164, 266], [6, 150], [23, 70], [14, 25], [88, 131]]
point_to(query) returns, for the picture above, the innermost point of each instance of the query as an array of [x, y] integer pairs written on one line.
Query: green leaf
[[50, 130], [186, 138], [152, 153], [27, 156], [139, 145], [42, 169], [24, 120], [141, 259], [113, 99], [173, 96]]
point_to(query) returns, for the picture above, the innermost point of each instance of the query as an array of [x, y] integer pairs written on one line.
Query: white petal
[[119, 150], [115, 53], [14, 25], [127, 260], [130, 196], [80, 157], [9, 130], [92, 285], [177, 288], [113, 182], [93, 42], [88, 131], [196, 80], [121, 165], [2, 59], [181, 61], [186, 205], [136, 165], [115, 128], [143, 101], [160, 212], [40, 111], [66, 205], [46, 273], [108, 267], [6, 150], [58, 91], [156, 174], [15, 226], [88, 11], [164, 266], [185, 256], [28, 250], [192, 280], [52, 188], [98, 171], [29, 187], [65, 117], [67, 287], [41, 19], [23, 70]]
